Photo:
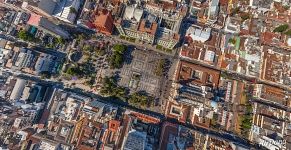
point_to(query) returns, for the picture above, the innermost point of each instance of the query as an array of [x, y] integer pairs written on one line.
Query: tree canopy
[[110, 88], [73, 10], [116, 58], [288, 32], [61, 40], [26, 36], [246, 121], [281, 28], [159, 70], [74, 71], [120, 48], [139, 100]]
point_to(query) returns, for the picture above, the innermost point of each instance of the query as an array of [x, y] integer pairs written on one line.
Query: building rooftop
[[103, 19], [34, 19], [196, 74], [196, 34], [135, 140], [276, 65], [18, 89]]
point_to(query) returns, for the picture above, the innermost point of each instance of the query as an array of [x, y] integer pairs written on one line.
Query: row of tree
[[110, 88]]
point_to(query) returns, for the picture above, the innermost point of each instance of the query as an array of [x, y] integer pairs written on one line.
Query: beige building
[[150, 25]]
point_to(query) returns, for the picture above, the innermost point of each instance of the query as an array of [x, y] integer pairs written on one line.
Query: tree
[[235, 11], [157, 1], [91, 82], [74, 71], [281, 28], [116, 58], [110, 88], [87, 48], [159, 70], [24, 35], [159, 47], [286, 7], [288, 32], [120, 48], [61, 40], [99, 52], [80, 37], [45, 75], [232, 40], [246, 121], [139, 99], [245, 17], [73, 10]]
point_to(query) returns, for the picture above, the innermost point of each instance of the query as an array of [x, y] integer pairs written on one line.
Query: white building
[[18, 89], [213, 11], [198, 34], [66, 10], [134, 140]]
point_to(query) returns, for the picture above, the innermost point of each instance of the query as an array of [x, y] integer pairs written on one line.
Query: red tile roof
[[34, 19], [151, 30], [114, 125], [104, 21]]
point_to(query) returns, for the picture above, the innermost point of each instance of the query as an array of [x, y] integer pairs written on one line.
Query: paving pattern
[[143, 64]]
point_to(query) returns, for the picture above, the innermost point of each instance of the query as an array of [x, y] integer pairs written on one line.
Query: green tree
[[24, 35], [246, 120], [116, 58], [73, 10], [245, 17], [87, 48], [45, 75], [286, 7], [120, 48], [232, 40], [80, 37], [110, 88], [288, 32], [91, 82], [159, 47], [139, 99], [281, 28], [159, 70], [99, 52], [61, 41], [74, 71]]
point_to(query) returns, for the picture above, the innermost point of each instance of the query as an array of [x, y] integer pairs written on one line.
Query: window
[[175, 111], [210, 79], [196, 74]]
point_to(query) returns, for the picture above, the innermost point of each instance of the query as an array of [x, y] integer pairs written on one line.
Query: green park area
[[117, 57], [110, 88]]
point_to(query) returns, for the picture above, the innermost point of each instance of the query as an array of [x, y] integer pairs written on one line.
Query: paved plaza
[[138, 72]]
